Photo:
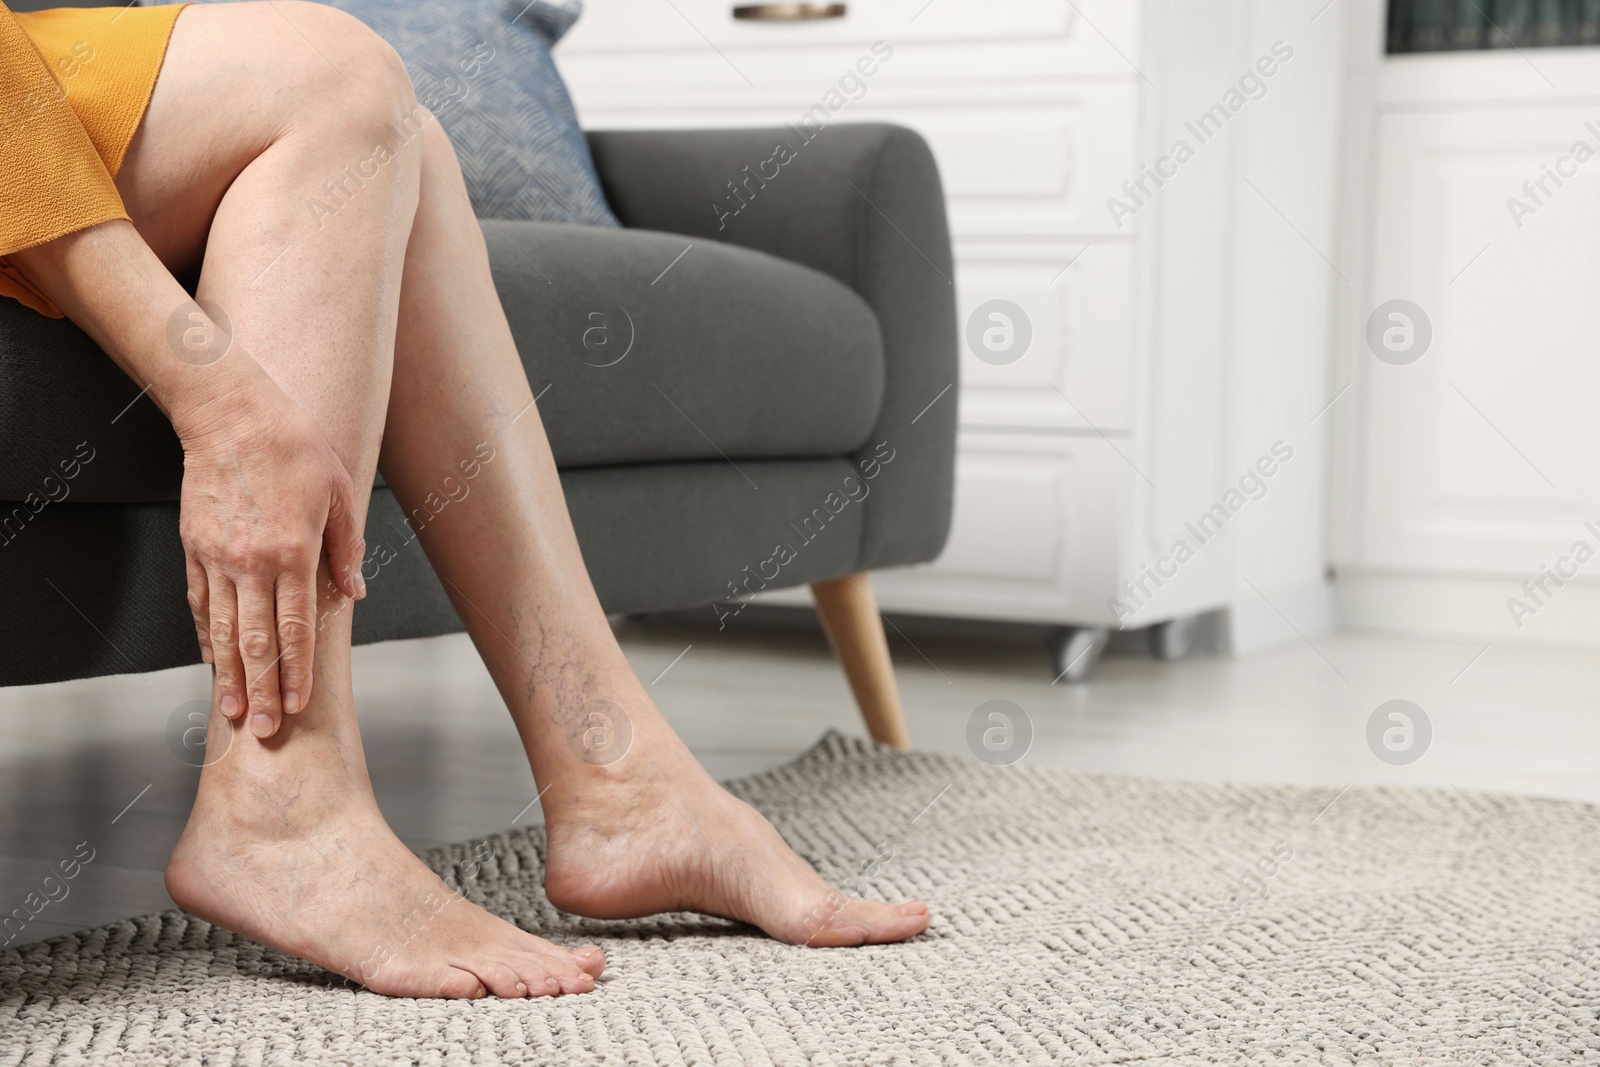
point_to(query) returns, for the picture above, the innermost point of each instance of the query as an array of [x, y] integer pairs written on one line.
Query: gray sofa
[[795, 345]]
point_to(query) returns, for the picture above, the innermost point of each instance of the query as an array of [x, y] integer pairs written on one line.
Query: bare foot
[[291, 851], [632, 841]]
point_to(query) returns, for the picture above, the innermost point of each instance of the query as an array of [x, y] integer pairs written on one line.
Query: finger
[[258, 649], [228, 683], [297, 636], [199, 605], [343, 542]]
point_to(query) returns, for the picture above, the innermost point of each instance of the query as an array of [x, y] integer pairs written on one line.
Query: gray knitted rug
[[1076, 920]]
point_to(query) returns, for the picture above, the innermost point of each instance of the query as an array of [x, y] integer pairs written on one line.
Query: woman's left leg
[[257, 106], [648, 831]]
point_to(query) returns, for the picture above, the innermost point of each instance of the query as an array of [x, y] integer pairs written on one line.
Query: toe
[[870, 922], [575, 980], [892, 922], [536, 976], [501, 979], [456, 984], [564, 969], [590, 958]]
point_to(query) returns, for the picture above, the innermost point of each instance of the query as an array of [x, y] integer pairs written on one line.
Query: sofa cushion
[[103, 585], [649, 347], [483, 67], [642, 348]]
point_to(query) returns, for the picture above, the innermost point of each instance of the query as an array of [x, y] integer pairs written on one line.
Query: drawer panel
[[1035, 533], [1020, 168], [1078, 305], [699, 25], [1012, 167]]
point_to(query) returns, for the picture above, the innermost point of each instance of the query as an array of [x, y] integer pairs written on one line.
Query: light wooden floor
[[89, 761]]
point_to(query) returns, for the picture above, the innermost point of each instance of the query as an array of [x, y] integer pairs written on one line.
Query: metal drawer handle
[[788, 12]]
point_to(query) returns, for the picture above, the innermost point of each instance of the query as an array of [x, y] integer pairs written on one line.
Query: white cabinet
[[1030, 540], [1174, 339], [1461, 475]]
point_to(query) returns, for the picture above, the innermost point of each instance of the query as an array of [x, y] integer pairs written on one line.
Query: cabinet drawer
[[1018, 167], [1014, 164], [1073, 31], [1034, 536], [1078, 305]]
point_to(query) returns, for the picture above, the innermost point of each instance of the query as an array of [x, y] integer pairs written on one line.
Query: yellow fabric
[[74, 85]]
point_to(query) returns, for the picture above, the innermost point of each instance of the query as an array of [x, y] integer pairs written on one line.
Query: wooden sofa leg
[[855, 630]]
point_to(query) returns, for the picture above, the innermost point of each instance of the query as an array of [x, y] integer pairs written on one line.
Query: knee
[[351, 76]]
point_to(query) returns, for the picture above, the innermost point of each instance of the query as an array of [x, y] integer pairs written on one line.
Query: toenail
[[260, 724], [521, 989]]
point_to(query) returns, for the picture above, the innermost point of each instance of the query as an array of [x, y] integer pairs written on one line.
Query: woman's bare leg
[[649, 831], [258, 106]]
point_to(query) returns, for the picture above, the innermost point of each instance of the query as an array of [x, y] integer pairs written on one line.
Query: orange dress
[[74, 85]]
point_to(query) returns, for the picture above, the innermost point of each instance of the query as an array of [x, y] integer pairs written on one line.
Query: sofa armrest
[[860, 202]]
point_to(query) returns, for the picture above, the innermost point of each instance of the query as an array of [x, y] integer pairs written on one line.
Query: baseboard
[[1479, 608], [1281, 619], [1239, 630]]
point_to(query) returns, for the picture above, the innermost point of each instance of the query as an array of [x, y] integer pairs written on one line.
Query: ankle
[[601, 735], [304, 768]]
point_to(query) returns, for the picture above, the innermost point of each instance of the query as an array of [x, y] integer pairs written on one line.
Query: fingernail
[[230, 705], [205, 655], [361, 585], [291, 702], [260, 724]]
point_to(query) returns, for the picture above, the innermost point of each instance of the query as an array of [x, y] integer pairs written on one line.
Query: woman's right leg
[[258, 107]]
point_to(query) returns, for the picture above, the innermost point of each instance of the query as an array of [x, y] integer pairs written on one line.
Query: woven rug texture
[[1077, 920]]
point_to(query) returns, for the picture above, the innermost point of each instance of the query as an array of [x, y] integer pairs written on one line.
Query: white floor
[[90, 761]]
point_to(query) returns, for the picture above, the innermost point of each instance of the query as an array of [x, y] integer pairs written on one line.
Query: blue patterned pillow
[[483, 67]]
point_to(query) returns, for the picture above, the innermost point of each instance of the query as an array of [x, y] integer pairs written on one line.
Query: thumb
[[343, 542]]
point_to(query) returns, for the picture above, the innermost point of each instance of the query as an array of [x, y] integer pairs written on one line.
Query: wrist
[[206, 402]]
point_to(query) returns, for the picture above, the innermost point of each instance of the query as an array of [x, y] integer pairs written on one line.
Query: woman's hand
[[265, 501], [265, 498]]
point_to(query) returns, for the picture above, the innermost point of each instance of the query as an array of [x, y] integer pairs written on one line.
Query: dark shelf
[[1483, 25]]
